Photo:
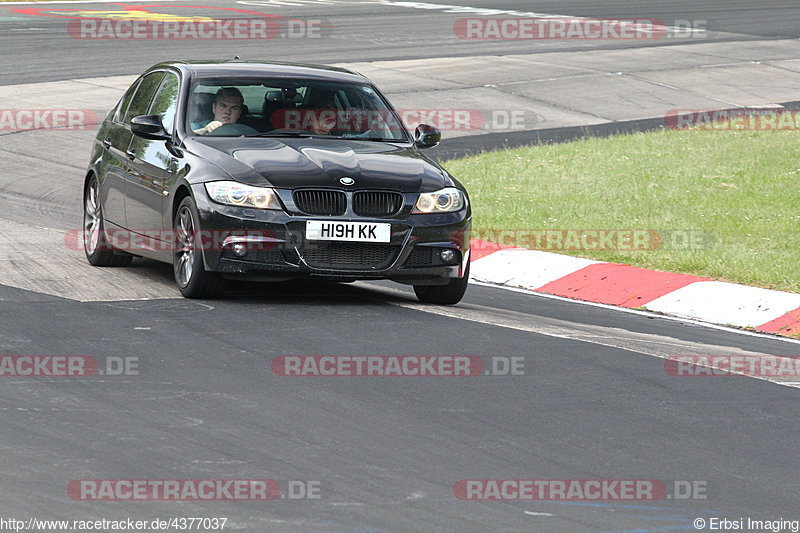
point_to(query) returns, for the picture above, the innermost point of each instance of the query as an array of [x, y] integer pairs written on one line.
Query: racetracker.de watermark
[[608, 239], [762, 366], [576, 28], [396, 366], [67, 366], [47, 119], [362, 120], [173, 240], [737, 119], [177, 490], [558, 28], [578, 490], [224, 29]]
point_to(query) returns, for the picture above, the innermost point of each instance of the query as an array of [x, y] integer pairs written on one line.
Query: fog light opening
[[447, 255], [239, 249]]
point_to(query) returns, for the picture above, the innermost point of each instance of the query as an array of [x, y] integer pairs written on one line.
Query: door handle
[[107, 143], [131, 154]]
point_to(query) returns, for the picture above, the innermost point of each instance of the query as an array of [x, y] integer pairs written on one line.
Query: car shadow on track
[[289, 292], [310, 291]]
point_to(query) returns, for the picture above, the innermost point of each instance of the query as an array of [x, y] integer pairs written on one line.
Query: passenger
[[325, 118]]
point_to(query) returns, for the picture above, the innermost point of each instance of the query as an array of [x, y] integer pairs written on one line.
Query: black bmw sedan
[[269, 172]]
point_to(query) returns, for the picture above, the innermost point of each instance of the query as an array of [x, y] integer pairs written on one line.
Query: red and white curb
[[679, 295]]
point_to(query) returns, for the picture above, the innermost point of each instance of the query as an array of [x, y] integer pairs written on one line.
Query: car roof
[[237, 67]]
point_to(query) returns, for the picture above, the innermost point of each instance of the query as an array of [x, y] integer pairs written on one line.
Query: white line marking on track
[[642, 313], [444, 8], [654, 345], [84, 2], [295, 3], [483, 11]]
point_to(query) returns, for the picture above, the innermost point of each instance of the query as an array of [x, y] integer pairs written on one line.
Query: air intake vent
[[346, 255]]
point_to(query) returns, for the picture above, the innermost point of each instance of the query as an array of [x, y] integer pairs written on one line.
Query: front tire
[[193, 280], [449, 294], [95, 244]]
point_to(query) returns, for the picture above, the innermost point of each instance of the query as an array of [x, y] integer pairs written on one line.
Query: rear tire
[[95, 245], [193, 280], [449, 294]]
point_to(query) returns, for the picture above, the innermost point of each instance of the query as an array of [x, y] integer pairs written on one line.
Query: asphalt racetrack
[[38, 47]]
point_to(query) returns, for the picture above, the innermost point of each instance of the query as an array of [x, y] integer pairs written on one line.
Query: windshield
[[279, 107]]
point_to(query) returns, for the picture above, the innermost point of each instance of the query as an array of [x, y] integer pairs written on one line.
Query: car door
[[115, 138], [150, 163]]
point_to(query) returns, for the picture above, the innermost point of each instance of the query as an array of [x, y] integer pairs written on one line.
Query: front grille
[[377, 203], [321, 202], [349, 255]]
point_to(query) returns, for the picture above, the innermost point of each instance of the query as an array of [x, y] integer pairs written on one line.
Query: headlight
[[239, 194], [445, 200]]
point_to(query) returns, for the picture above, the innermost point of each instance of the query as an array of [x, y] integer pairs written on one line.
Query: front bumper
[[276, 247]]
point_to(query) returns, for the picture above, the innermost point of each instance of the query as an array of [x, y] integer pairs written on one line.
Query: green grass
[[739, 188]]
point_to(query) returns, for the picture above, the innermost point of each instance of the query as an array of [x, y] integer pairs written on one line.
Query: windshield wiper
[[384, 140], [297, 134], [376, 139], [306, 135]]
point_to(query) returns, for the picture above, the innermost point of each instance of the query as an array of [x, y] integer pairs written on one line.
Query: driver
[[227, 109]]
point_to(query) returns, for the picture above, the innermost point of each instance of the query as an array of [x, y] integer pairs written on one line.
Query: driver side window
[[144, 95], [166, 101], [125, 102]]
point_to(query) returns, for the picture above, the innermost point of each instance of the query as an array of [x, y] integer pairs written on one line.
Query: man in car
[[227, 108], [320, 116]]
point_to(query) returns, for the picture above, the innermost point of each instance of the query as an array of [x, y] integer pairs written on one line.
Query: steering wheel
[[233, 130], [352, 126]]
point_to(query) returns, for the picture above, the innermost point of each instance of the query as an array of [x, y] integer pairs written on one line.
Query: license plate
[[319, 230]]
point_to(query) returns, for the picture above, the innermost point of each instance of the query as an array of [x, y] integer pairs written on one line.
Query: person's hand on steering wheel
[[231, 130], [208, 128]]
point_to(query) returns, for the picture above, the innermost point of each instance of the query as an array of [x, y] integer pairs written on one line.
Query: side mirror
[[149, 127], [427, 136]]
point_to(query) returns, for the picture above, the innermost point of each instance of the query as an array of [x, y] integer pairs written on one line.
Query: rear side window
[[144, 95], [166, 101]]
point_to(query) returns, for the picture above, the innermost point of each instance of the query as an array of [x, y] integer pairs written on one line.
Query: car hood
[[293, 163]]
